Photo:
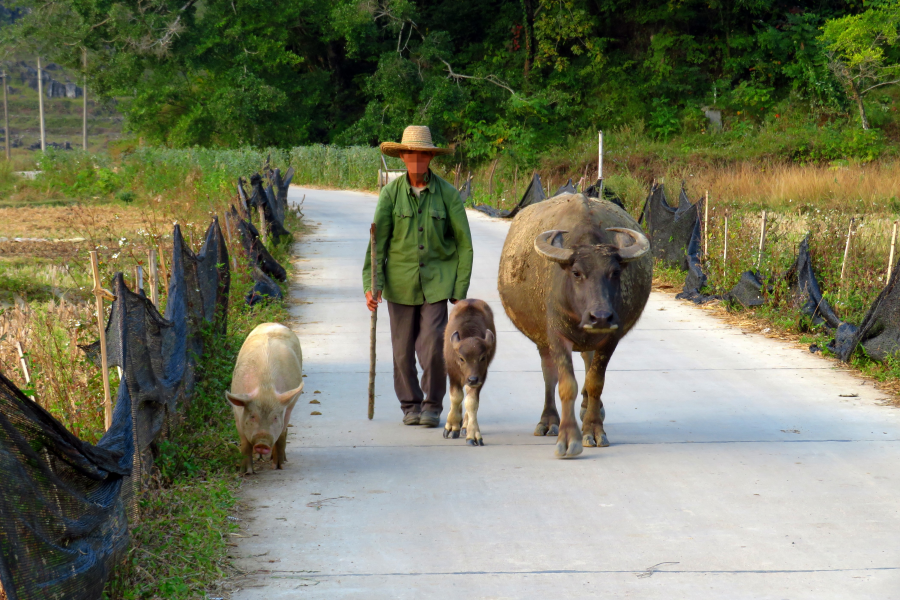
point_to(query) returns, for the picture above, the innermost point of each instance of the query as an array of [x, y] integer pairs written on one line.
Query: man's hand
[[453, 300], [372, 303]]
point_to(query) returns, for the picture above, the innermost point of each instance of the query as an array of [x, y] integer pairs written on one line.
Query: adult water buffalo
[[575, 274]]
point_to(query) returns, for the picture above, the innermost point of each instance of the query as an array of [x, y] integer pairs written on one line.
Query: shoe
[[411, 418], [429, 418]]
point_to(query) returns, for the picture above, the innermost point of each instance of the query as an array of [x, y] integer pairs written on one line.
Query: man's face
[[416, 161]]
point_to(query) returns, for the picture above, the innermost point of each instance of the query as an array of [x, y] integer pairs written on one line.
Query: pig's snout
[[262, 449]]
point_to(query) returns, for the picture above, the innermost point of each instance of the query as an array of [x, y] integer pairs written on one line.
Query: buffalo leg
[[454, 417], [549, 423], [568, 443], [594, 415], [473, 433], [588, 358]]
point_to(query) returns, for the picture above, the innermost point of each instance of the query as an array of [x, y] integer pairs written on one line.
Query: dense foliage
[[494, 77]]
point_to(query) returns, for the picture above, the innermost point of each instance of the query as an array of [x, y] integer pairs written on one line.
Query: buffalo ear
[[290, 397], [455, 339], [489, 338], [238, 399]]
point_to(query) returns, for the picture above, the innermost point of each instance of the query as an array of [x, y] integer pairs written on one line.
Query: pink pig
[[267, 381]]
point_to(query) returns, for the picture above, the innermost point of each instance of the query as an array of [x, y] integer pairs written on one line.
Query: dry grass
[[864, 188]]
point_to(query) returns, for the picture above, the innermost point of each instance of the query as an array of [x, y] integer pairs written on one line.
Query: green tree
[[862, 51]]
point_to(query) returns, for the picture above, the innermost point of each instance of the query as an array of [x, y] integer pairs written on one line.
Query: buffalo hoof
[[448, 434], [541, 429], [554, 430], [569, 445], [590, 442], [475, 442]]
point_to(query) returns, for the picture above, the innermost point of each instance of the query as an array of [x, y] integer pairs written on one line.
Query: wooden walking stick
[[373, 264]]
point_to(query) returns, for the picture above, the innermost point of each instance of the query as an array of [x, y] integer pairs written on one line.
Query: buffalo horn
[[638, 247], [546, 242]]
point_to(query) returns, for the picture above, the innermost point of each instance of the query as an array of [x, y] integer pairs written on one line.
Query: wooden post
[[516, 185], [456, 176], [762, 241], [154, 278], [263, 226], [491, 179], [373, 324], [228, 236], [84, 102], [600, 157], [162, 265], [24, 363], [846, 251], [138, 278], [6, 113], [891, 258], [99, 294], [706, 224], [40, 83]]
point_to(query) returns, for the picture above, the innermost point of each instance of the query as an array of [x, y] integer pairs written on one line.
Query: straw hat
[[415, 137]]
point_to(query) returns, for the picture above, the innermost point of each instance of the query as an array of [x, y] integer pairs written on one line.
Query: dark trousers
[[419, 331]]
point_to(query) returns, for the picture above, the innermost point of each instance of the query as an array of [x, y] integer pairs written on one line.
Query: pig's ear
[[289, 397], [238, 399], [454, 339], [489, 338]]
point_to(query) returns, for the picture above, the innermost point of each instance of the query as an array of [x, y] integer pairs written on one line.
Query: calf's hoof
[[475, 442], [448, 434]]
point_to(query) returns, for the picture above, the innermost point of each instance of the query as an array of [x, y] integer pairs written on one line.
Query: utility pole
[[84, 97], [41, 104], [6, 114]]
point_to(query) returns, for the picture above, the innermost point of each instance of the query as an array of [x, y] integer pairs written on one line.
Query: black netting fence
[[669, 228], [65, 504]]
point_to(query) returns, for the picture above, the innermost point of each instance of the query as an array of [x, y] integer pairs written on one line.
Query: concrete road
[[740, 467]]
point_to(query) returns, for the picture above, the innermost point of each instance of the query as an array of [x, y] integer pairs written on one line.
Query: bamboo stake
[[600, 157], [6, 113], [456, 175], [228, 235], [762, 241], [84, 102], [846, 251], [138, 278], [24, 363], [40, 83], [725, 251], [165, 270], [154, 278], [706, 224], [372, 326], [893, 244], [99, 294], [263, 233]]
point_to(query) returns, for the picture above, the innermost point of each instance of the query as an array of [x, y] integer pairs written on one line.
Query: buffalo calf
[[469, 343]]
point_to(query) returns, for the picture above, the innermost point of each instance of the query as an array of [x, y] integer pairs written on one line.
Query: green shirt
[[423, 245]]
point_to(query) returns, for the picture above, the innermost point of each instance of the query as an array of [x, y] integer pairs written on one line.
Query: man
[[424, 251]]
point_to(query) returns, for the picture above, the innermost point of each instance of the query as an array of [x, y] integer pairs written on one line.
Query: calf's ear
[[289, 397], [237, 399], [489, 338], [454, 339]]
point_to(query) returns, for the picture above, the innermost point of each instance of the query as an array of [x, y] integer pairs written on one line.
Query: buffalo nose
[[473, 380], [602, 319]]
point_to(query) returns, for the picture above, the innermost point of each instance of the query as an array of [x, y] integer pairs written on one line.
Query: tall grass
[[353, 167]]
